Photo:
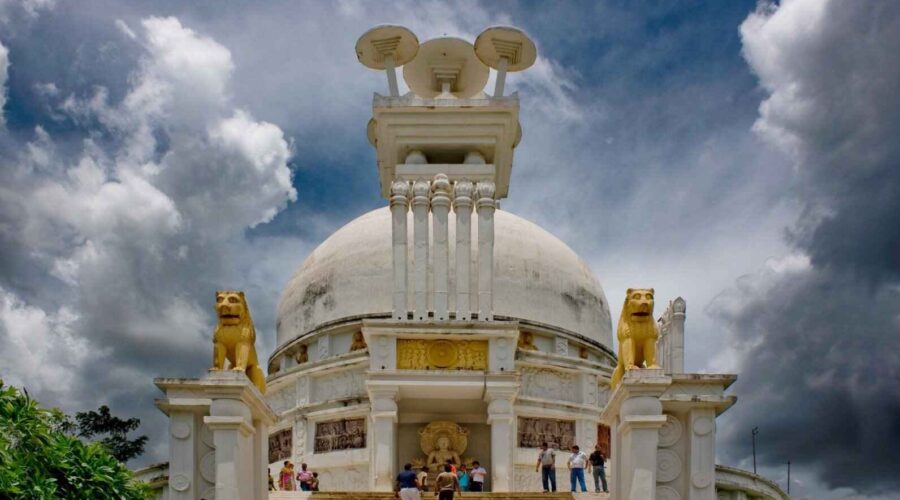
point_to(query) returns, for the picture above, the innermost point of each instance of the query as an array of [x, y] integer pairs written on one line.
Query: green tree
[[114, 431], [39, 459]]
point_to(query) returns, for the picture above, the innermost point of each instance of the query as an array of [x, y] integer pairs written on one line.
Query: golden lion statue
[[637, 333], [235, 337]]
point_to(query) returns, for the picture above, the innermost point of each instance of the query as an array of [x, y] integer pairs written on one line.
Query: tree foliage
[[39, 459], [114, 431]]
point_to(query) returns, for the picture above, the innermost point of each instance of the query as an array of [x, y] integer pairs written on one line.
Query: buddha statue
[[443, 453], [442, 441]]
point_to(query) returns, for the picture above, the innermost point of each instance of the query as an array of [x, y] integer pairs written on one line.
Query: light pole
[[754, 432], [789, 478]]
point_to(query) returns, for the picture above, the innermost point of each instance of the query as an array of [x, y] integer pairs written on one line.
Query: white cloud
[[40, 348], [135, 228]]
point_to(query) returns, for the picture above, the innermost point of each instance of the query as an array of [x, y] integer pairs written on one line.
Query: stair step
[[386, 495]]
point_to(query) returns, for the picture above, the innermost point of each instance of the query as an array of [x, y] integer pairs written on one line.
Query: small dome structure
[[537, 278]]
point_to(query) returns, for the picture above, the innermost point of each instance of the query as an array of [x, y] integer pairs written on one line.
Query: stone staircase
[[386, 495]]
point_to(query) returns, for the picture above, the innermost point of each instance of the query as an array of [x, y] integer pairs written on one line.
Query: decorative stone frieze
[[337, 435], [419, 354], [549, 384], [560, 434]]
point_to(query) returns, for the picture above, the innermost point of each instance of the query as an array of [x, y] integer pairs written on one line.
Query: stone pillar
[[664, 434], [420, 254], [261, 460], [237, 417], [299, 440], [634, 414], [501, 418], [485, 207], [399, 209], [440, 208], [702, 453], [462, 204], [184, 429], [384, 437], [676, 336]]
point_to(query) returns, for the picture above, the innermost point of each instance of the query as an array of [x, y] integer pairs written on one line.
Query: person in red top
[[452, 467]]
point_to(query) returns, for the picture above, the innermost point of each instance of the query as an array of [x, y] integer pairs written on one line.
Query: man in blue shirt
[[407, 487]]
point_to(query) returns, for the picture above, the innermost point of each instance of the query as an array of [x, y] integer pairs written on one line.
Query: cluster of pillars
[[437, 196], [670, 347]]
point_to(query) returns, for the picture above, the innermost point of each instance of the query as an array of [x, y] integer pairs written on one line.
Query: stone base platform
[[385, 495]]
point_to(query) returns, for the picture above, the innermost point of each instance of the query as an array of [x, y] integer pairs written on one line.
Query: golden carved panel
[[442, 354]]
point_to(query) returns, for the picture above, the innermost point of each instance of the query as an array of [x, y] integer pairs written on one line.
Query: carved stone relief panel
[[562, 346], [442, 354], [280, 445], [548, 384], [340, 435], [559, 434], [323, 347], [340, 385], [299, 439]]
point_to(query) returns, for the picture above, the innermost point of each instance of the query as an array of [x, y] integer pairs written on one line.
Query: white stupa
[[440, 326]]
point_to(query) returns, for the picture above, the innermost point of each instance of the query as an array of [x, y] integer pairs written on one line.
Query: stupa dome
[[537, 278]]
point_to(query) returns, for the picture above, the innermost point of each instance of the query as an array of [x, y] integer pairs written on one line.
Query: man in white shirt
[[577, 463], [478, 474]]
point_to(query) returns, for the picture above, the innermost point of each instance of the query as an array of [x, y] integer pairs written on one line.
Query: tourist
[[446, 483], [407, 486], [478, 474], [577, 463], [304, 477], [314, 482], [422, 476], [286, 477], [451, 464], [598, 468], [546, 462], [463, 478]]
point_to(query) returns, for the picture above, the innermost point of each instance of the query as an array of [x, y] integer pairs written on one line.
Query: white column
[[502, 421], [440, 208], [485, 207], [634, 413], [702, 453], [384, 438], [420, 235], [462, 205], [261, 460], [399, 208], [183, 457], [676, 336], [231, 425]]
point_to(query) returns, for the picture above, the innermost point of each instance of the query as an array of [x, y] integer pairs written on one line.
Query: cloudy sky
[[744, 156]]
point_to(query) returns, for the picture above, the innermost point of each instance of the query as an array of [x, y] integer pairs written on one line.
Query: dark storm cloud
[[820, 337]]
